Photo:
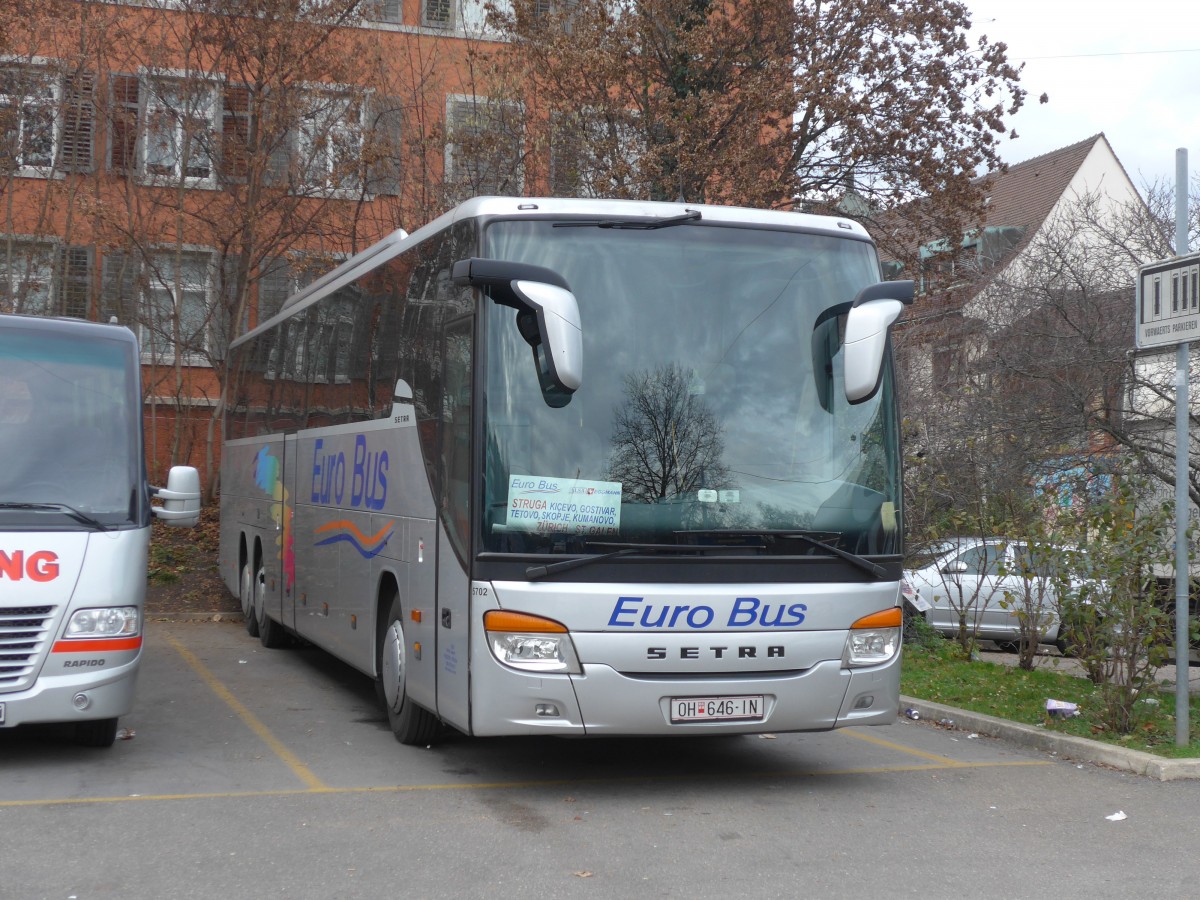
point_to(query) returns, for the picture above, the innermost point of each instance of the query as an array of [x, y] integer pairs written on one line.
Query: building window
[[437, 13], [167, 298], [26, 279], [42, 278], [595, 154], [166, 128], [29, 102], [330, 142], [484, 147], [180, 124], [176, 307], [385, 11]]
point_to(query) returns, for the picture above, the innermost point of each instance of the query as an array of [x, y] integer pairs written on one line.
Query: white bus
[[574, 467], [74, 523]]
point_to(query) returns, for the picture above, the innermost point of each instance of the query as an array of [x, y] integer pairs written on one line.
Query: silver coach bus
[[581, 467]]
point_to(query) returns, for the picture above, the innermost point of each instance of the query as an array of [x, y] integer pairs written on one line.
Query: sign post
[[1168, 313]]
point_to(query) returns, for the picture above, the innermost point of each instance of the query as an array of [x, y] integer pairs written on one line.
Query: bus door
[[454, 515]]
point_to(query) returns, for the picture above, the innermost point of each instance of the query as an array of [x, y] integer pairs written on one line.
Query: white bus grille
[[23, 633]]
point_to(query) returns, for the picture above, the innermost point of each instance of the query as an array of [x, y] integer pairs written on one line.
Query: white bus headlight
[[873, 639], [112, 621], [531, 643]]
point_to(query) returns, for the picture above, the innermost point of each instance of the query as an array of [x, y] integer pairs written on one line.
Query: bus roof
[[553, 207], [67, 326]]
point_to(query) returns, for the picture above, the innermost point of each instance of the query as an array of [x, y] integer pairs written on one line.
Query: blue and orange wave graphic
[[345, 530]]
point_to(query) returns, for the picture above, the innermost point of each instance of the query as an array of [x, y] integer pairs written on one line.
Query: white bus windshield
[[68, 439], [711, 408]]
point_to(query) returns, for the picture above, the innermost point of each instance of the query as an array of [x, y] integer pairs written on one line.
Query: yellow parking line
[[513, 785], [880, 742], [289, 759]]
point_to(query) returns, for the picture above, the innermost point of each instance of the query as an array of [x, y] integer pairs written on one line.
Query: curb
[[195, 616], [1066, 746]]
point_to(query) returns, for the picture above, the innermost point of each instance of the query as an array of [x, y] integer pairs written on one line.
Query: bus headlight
[[112, 621], [531, 643], [873, 639]]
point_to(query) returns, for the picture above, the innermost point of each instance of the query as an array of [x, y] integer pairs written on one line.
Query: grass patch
[[937, 672]]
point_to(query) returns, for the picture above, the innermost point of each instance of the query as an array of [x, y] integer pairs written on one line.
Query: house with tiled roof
[[957, 278], [1013, 358], [1019, 204]]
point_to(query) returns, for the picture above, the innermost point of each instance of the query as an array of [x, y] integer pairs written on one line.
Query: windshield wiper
[[535, 572], [692, 215], [77, 515], [854, 559]]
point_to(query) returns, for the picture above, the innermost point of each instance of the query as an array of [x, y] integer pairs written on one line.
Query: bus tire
[[246, 596], [410, 723], [251, 620], [271, 634], [96, 733]]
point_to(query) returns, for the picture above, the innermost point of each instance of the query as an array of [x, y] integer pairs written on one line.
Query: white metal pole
[[1182, 357]]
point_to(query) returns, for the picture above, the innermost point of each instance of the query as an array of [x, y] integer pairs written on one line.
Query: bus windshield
[[68, 439], [711, 409]]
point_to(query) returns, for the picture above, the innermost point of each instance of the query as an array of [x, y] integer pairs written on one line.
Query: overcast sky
[[1129, 69]]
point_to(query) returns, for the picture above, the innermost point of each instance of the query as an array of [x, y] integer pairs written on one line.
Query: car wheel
[[96, 733], [410, 723]]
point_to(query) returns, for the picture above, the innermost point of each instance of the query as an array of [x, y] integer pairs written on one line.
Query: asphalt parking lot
[[251, 772]]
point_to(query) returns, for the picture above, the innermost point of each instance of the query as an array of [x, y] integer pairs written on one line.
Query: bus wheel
[[97, 733], [250, 613], [270, 633], [410, 723], [246, 596]]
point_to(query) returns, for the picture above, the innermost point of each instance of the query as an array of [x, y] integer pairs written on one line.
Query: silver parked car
[[988, 578]]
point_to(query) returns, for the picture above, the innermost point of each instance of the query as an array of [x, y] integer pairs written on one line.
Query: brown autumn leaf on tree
[[766, 103]]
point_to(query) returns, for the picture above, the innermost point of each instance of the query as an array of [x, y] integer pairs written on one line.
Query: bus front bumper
[[605, 702], [72, 698]]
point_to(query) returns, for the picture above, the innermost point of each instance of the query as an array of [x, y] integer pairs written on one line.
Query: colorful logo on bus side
[[267, 477], [347, 531]]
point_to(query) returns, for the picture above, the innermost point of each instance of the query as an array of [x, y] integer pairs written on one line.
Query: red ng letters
[[39, 566]]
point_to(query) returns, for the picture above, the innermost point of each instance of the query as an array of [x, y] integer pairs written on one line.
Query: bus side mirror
[[868, 323], [547, 315], [181, 498]]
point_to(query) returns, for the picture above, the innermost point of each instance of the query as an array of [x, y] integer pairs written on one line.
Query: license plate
[[716, 709]]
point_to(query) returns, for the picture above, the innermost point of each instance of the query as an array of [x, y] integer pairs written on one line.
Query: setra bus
[[581, 467], [75, 513]]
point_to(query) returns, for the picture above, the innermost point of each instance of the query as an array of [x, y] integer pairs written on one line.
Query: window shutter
[[437, 13], [79, 123], [75, 281], [119, 291], [123, 132], [235, 133], [388, 11]]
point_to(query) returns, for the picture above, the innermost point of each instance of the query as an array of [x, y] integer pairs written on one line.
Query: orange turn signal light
[[503, 620], [885, 618]]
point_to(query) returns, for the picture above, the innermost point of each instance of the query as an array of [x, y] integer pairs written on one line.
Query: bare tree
[[666, 442]]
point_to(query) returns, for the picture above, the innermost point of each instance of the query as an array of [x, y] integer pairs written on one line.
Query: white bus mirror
[[867, 325], [181, 498], [547, 316], [558, 324]]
